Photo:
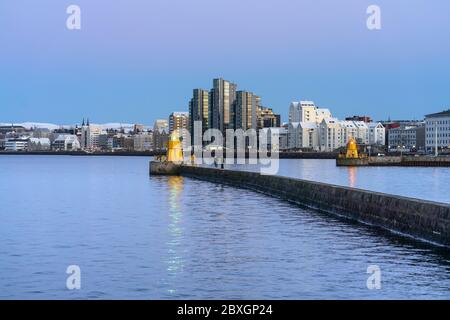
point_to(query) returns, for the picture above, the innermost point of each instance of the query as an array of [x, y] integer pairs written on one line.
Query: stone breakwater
[[421, 219]]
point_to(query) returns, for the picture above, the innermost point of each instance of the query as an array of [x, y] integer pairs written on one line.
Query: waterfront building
[[266, 118], [437, 130], [362, 133], [179, 124], [244, 111], [143, 142], [330, 134], [66, 142], [178, 120], [307, 111], [377, 134], [90, 136], [16, 144], [39, 144], [282, 138], [222, 98], [160, 135], [199, 109], [303, 135], [407, 137], [349, 130]]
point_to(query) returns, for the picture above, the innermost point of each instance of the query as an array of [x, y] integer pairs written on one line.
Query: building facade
[[222, 98], [437, 131], [266, 118], [244, 114], [199, 110], [377, 134]]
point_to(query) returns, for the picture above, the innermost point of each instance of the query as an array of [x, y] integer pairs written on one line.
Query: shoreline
[[282, 155]]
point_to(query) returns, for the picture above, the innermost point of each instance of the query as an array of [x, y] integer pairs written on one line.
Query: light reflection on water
[[144, 237]]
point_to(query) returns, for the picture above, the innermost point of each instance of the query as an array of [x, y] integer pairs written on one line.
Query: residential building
[[437, 130], [66, 142], [266, 118], [179, 123], [244, 115], [303, 135], [306, 111], [362, 133], [330, 134], [407, 137], [282, 138], [199, 110], [16, 144], [160, 135], [143, 142], [222, 98], [377, 134]]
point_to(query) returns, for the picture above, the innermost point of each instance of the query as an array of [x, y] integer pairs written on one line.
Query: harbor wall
[[421, 219]]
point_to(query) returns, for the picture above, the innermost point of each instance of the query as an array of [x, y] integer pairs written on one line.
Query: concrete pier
[[421, 219], [405, 161], [164, 168]]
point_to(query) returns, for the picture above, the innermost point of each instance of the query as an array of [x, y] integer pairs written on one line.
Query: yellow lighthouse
[[352, 149], [175, 149]]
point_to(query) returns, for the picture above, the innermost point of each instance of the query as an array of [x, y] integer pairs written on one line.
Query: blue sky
[[137, 60]]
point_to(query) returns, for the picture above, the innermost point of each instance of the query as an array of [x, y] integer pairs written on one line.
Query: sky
[[135, 61]]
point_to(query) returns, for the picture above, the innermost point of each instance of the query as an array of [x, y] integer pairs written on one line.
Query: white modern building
[[362, 132], [66, 142], [307, 111], [16, 144], [377, 134], [303, 135], [437, 131], [330, 134]]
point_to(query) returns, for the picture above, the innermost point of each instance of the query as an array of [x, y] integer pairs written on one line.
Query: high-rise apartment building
[[199, 109], [244, 114], [223, 96], [179, 123]]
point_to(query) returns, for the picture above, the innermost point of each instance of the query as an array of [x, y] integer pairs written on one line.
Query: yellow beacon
[[175, 149], [352, 149]]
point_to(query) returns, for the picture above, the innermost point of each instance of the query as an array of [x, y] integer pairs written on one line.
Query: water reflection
[[352, 177], [175, 259]]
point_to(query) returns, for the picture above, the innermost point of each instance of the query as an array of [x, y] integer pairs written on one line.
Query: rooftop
[[445, 113]]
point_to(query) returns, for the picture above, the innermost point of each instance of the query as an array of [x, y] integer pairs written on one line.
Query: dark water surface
[[136, 236]]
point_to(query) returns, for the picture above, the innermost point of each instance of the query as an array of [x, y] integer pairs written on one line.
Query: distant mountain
[[51, 126]]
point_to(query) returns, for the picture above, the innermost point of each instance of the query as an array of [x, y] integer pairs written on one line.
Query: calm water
[[136, 236]]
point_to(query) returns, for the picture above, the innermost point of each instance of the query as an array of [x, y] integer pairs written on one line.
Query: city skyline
[[140, 61]]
